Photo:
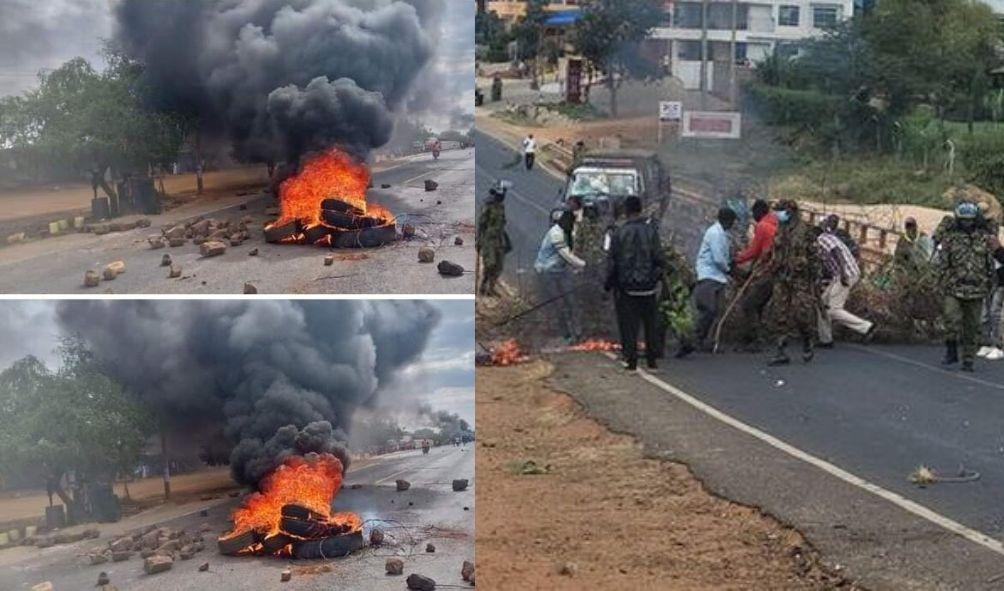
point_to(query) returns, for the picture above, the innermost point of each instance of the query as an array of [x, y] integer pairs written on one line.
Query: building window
[[689, 51], [687, 15], [787, 16], [825, 15]]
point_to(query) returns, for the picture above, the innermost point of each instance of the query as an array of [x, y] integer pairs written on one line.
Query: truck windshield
[[604, 183]]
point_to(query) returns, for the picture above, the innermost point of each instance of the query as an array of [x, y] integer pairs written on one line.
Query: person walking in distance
[[529, 151], [794, 263], [761, 283], [965, 273], [714, 264], [555, 261], [635, 266], [840, 273]]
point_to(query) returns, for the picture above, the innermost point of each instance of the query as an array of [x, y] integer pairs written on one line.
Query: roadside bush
[[786, 106], [983, 157]]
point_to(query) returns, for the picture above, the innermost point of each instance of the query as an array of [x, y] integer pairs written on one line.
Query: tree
[[528, 33], [75, 419], [609, 34]]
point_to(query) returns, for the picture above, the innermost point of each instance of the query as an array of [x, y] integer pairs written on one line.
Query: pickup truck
[[602, 179]]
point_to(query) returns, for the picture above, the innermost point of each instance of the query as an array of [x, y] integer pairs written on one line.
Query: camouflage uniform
[[492, 242], [795, 266], [965, 272]]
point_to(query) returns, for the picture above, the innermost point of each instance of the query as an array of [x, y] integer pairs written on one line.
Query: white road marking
[[902, 502]]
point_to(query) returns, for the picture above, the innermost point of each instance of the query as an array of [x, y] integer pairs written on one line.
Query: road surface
[[429, 512], [875, 413], [57, 265]]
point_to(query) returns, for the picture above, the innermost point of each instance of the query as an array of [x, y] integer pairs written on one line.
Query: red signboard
[[573, 81]]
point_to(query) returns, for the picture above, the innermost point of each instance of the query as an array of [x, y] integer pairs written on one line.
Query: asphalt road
[[57, 265], [877, 412], [428, 512]]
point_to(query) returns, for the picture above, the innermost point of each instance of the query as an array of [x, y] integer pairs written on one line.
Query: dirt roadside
[[603, 516]]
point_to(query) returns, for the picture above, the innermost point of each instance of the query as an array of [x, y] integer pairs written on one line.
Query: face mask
[[784, 216]]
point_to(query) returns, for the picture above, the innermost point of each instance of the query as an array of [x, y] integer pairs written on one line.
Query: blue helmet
[[967, 210]]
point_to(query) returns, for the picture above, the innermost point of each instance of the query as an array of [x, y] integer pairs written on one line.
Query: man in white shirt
[[529, 151]]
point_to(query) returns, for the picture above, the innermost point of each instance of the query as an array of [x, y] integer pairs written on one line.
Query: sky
[[43, 34], [443, 377]]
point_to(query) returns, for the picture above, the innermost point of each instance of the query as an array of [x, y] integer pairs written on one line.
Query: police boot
[[780, 357], [807, 352], [951, 352]]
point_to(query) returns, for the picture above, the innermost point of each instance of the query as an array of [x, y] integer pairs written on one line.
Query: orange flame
[[329, 175], [595, 345], [310, 482], [508, 353]]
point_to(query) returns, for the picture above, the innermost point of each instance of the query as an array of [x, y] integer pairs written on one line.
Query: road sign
[[670, 110], [712, 124]]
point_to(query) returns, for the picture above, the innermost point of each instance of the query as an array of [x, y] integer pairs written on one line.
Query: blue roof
[[563, 18]]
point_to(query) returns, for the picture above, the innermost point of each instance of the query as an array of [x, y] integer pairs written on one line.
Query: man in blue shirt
[[714, 264]]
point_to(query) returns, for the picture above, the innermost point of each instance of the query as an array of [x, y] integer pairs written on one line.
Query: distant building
[[761, 26], [511, 10]]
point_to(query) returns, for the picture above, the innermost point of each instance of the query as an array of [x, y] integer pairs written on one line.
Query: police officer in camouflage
[[492, 241], [965, 272], [796, 268]]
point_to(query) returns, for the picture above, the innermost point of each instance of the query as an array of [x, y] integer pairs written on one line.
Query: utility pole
[[732, 55], [704, 55]]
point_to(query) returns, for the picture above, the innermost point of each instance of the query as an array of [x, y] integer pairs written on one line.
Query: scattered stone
[[566, 569], [253, 253], [408, 231], [176, 242], [206, 528], [203, 567], [165, 261], [168, 547], [430, 548], [467, 571], [384, 185], [212, 248], [16, 238], [68, 538], [402, 485], [250, 289], [103, 579], [175, 272], [121, 556], [175, 232], [109, 274], [329, 260], [100, 229], [448, 269], [187, 552], [45, 542], [286, 575], [121, 544], [458, 241], [147, 553], [118, 267], [376, 536], [92, 279], [356, 486], [46, 586], [420, 583], [438, 202], [394, 566], [143, 223], [157, 564], [459, 484], [467, 508], [97, 558], [156, 242], [426, 255], [236, 239], [431, 185]]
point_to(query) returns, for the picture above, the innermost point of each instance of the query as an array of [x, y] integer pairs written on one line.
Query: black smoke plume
[[281, 78], [282, 377]]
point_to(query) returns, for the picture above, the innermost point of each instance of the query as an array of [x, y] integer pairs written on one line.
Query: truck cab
[[603, 179]]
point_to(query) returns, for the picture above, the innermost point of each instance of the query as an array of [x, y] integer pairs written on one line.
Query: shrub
[[983, 157]]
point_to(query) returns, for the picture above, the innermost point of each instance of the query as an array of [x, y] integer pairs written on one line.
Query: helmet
[[967, 210]]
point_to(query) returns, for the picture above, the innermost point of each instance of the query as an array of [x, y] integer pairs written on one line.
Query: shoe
[[995, 354], [825, 345], [870, 335], [951, 353], [967, 365], [631, 365], [808, 356], [779, 359], [984, 351], [651, 364]]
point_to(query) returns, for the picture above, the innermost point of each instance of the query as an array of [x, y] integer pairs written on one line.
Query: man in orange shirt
[[757, 253]]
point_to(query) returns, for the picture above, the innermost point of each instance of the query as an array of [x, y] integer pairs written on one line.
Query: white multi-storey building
[[760, 27]]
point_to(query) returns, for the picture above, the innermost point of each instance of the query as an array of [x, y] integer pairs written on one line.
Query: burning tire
[[341, 206], [314, 233], [366, 238], [232, 546], [348, 221], [273, 544], [300, 512], [332, 547], [275, 234]]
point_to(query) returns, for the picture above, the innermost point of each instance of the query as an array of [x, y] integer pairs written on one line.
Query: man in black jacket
[[636, 264]]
